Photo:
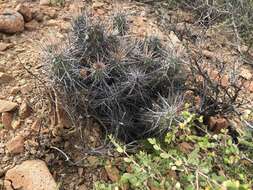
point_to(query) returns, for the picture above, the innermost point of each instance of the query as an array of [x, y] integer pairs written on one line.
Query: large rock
[[11, 22], [6, 106], [31, 175]]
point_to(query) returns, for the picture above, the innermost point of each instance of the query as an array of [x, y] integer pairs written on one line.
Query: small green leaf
[[152, 141], [165, 155], [119, 149], [157, 147]]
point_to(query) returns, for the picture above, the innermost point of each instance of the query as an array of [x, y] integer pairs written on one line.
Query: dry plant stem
[[63, 153]]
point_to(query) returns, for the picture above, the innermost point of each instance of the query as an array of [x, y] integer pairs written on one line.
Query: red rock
[[25, 11], [224, 81], [11, 22], [6, 106], [31, 175], [222, 123], [248, 86], [216, 124], [15, 145], [185, 147], [24, 110], [7, 120]]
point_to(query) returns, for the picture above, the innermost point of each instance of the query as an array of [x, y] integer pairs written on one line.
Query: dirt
[[74, 154]]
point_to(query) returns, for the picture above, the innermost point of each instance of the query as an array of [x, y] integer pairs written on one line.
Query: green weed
[[185, 160]]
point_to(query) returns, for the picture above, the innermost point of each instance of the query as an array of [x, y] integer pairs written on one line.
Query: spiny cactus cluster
[[119, 79]]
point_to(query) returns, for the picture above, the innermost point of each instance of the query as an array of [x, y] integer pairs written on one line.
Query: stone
[[24, 110], [5, 78], [246, 73], [216, 124], [221, 123], [4, 46], [32, 25], [15, 145], [25, 11], [6, 106], [31, 175], [16, 124], [11, 22], [251, 87], [7, 120], [45, 2]]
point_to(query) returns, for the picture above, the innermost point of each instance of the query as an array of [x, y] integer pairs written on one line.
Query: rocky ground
[[35, 137]]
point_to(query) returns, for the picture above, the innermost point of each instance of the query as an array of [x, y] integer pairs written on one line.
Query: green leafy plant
[[185, 160]]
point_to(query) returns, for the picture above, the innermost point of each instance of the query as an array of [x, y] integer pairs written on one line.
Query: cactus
[[115, 77]]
